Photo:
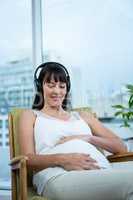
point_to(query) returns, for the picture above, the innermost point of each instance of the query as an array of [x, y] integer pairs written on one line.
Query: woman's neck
[[53, 110], [59, 113]]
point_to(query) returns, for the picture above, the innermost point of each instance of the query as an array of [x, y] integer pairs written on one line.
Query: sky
[[93, 35]]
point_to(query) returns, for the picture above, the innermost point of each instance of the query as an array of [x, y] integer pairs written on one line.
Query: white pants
[[105, 184]]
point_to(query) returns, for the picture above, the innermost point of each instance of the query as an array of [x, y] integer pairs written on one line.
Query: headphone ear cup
[[37, 84]]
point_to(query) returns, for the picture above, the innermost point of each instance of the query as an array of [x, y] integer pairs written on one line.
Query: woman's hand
[[78, 161], [72, 137]]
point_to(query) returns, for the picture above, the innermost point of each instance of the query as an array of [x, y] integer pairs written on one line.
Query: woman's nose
[[56, 89]]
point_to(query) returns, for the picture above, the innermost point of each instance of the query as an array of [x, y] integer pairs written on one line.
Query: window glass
[[0, 123], [94, 40], [15, 68]]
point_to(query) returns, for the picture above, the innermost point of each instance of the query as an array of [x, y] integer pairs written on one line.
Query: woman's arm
[[27, 143], [72, 161], [102, 136]]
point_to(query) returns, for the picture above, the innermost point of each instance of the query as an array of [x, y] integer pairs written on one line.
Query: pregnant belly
[[79, 146]]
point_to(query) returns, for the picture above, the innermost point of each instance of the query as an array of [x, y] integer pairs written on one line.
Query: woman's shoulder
[[86, 116], [28, 113], [79, 114]]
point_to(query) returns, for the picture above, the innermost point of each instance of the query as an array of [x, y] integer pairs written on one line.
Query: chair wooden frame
[[18, 168]]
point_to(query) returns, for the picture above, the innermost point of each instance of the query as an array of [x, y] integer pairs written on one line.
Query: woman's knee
[[53, 192]]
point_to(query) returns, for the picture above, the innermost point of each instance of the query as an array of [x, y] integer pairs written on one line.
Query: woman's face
[[54, 93]]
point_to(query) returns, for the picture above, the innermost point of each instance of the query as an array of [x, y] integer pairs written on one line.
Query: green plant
[[126, 112]]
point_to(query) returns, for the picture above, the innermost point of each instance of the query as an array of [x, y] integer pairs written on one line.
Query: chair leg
[[14, 186]]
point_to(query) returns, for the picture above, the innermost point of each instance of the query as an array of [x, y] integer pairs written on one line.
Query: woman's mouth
[[56, 98]]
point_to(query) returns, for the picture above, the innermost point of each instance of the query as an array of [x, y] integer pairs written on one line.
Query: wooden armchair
[[22, 188]]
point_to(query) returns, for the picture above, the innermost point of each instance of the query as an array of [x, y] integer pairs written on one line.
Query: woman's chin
[[56, 105]]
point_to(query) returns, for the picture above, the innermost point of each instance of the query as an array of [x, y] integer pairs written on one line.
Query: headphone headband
[[36, 81]]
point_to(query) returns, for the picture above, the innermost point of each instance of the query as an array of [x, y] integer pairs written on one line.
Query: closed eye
[[51, 85], [62, 86]]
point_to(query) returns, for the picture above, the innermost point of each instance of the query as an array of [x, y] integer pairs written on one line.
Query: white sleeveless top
[[47, 132]]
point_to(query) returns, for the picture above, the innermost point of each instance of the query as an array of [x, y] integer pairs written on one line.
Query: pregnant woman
[[63, 147]]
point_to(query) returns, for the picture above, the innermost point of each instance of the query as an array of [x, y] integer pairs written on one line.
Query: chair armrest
[[121, 157], [19, 177], [17, 161]]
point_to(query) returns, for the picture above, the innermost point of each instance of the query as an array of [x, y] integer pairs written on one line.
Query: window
[[0, 124], [6, 124], [7, 143], [94, 40], [15, 63]]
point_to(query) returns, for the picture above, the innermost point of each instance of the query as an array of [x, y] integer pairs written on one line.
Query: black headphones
[[44, 65]]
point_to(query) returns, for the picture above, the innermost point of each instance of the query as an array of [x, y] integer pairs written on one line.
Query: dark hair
[[50, 70]]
